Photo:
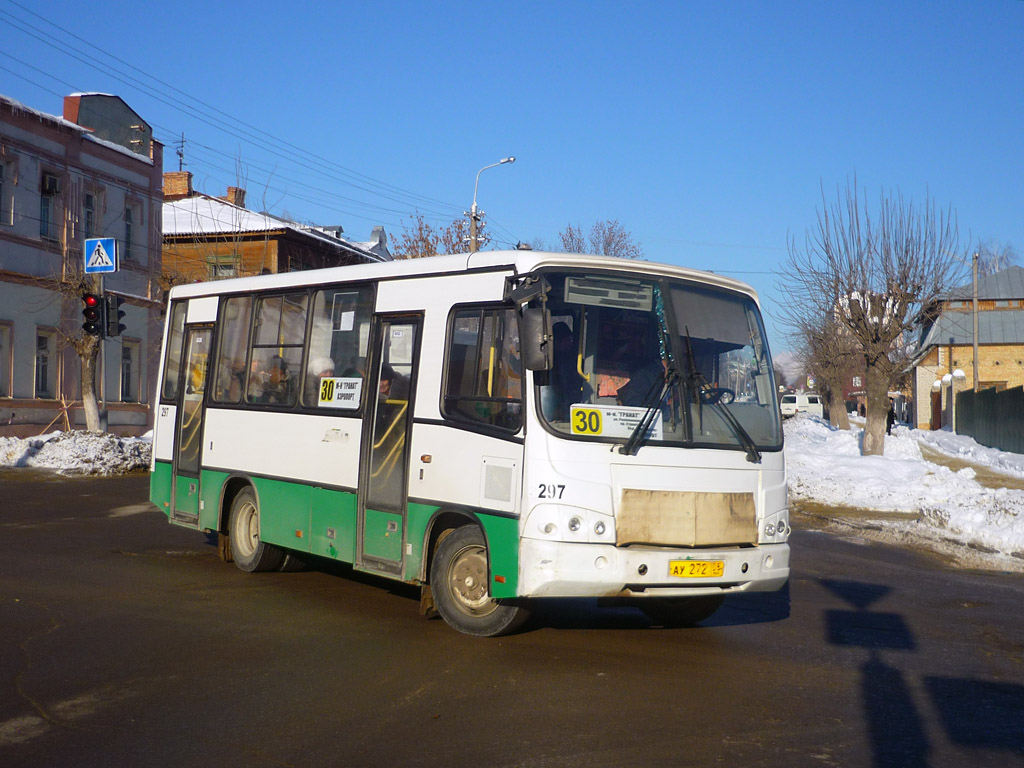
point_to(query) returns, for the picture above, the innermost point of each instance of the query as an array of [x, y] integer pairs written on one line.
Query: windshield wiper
[[707, 394], [632, 445]]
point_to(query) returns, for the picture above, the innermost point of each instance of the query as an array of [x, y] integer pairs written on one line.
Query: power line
[[384, 190]]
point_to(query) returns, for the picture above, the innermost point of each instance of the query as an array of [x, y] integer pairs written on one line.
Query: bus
[[496, 428]]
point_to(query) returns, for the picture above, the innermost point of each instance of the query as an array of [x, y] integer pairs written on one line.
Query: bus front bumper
[[560, 569]]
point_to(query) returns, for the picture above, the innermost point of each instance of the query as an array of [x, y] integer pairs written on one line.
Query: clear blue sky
[[707, 129]]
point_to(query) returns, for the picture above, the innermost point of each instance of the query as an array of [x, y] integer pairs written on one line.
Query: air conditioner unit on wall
[[51, 184]]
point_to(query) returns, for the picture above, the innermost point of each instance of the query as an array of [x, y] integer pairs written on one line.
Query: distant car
[[793, 404]]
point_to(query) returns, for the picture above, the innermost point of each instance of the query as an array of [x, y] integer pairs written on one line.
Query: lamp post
[[474, 241]]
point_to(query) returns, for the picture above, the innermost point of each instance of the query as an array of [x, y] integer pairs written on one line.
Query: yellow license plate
[[696, 569]]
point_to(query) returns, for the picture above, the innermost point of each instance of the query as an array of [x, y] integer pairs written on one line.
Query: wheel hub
[[469, 580]]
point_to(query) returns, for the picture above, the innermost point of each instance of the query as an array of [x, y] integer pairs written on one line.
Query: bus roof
[[520, 262]]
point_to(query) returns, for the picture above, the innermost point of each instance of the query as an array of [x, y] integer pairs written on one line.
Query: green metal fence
[[995, 419]]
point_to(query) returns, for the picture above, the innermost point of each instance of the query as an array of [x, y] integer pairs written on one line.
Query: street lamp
[[474, 242]]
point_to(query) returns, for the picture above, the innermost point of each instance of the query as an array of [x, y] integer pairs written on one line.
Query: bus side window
[[277, 350], [338, 341], [172, 365], [232, 345], [483, 368]]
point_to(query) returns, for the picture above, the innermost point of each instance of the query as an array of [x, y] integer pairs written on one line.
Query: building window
[[223, 266], [128, 233], [89, 215], [46, 206], [46, 364], [5, 360], [130, 371]]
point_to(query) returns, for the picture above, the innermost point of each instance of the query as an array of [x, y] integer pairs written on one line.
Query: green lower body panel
[[333, 524], [160, 480], [322, 522], [285, 513], [502, 535], [417, 520], [211, 487]]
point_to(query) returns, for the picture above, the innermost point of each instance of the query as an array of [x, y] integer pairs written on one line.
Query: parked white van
[[791, 405]]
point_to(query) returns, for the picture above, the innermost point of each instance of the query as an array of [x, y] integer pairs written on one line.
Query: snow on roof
[[56, 120], [17, 106], [206, 215]]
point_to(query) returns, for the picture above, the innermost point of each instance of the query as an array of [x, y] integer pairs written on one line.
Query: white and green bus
[[497, 428]]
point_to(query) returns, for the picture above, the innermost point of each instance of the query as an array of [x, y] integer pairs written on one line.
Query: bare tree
[[572, 240], [874, 277], [831, 356], [606, 238], [994, 258]]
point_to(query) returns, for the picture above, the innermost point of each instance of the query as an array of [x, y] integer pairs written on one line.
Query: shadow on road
[[973, 713]]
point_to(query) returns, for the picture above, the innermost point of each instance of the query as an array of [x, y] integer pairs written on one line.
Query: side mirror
[[537, 344]]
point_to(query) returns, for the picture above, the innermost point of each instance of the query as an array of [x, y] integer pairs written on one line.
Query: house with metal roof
[[207, 237], [946, 345]]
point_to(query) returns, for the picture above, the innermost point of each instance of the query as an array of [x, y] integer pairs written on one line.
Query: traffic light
[[114, 316], [92, 312]]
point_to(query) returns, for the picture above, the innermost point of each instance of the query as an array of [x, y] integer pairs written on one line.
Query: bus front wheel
[[459, 583], [250, 553]]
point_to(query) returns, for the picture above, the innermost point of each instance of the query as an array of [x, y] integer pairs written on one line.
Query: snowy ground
[[950, 511], [897, 497], [77, 453]]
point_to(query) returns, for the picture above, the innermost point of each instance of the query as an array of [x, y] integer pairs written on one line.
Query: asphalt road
[[125, 641]]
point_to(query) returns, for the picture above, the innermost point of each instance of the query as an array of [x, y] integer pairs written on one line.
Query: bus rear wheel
[[459, 583], [250, 553]]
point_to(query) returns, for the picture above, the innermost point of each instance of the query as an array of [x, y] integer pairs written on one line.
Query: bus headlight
[[599, 528], [775, 528], [574, 524]]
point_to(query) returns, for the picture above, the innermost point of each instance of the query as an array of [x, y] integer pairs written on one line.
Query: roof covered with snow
[[60, 122], [203, 215]]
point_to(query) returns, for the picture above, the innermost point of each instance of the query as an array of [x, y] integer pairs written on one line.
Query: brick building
[[947, 345], [95, 171], [208, 237]]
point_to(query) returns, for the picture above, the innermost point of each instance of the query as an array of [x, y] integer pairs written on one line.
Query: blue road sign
[[100, 255]]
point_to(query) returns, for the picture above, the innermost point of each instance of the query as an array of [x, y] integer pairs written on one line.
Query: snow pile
[[966, 448], [77, 452], [824, 465]]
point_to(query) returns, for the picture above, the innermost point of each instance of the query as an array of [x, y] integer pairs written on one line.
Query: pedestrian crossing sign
[[100, 255]]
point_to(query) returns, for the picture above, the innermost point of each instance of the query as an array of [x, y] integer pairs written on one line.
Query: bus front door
[[384, 469], [188, 434]]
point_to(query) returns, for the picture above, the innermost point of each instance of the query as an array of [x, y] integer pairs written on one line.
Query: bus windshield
[[689, 357]]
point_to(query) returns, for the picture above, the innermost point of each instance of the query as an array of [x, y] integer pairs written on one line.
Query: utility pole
[[974, 269]]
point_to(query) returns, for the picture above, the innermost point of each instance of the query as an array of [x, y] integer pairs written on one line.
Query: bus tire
[[292, 562], [459, 583], [681, 611], [251, 554]]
